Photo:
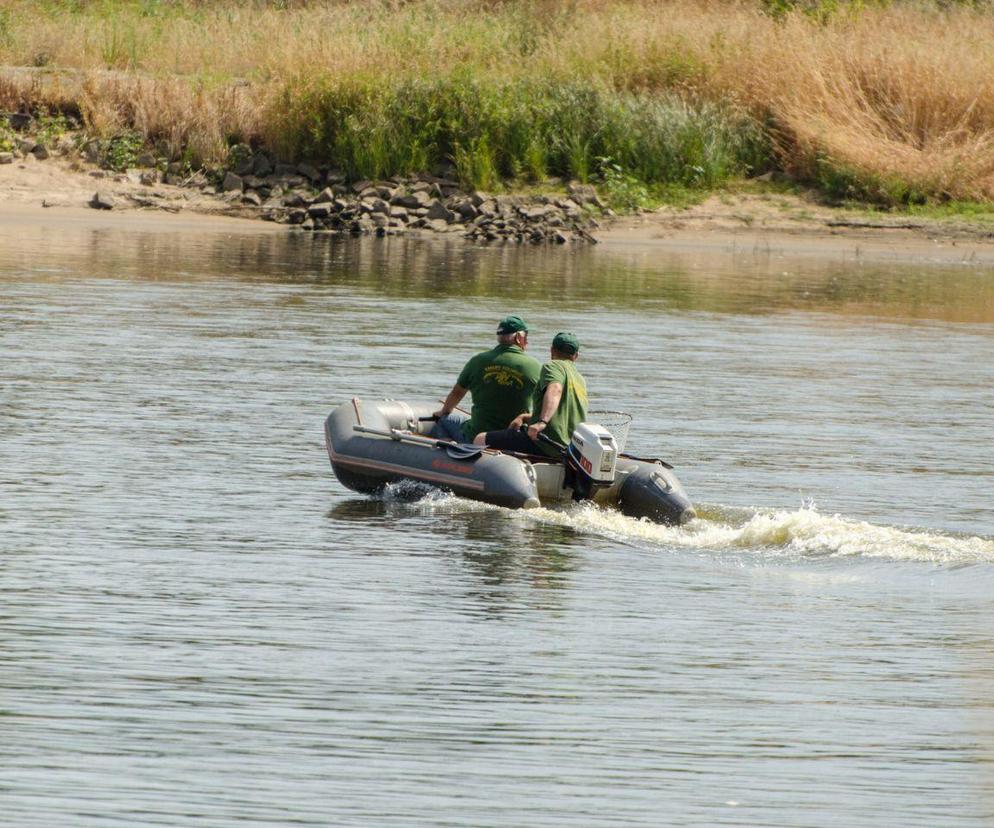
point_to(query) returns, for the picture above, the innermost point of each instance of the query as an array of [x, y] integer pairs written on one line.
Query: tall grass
[[497, 129], [888, 101]]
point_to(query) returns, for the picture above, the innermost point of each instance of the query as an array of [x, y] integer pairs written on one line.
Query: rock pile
[[321, 200]]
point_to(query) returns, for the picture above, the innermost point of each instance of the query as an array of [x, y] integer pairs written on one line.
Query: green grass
[[494, 131]]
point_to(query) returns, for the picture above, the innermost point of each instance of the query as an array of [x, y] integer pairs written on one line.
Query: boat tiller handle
[[543, 438]]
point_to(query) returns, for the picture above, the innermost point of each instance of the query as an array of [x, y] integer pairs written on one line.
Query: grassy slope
[[889, 103]]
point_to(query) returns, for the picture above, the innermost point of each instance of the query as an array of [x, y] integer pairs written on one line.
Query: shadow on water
[[501, 553], [726, 282]]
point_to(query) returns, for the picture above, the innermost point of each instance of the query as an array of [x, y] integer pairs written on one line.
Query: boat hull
[[378, 455]]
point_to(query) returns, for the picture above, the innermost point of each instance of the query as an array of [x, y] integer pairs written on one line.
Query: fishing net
[[617, 422]]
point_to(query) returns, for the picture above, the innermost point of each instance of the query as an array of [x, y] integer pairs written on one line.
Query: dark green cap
[[511, 324], [566, 343]]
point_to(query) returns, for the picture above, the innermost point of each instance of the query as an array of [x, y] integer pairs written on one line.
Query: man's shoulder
[[521, 358], [481, 356]]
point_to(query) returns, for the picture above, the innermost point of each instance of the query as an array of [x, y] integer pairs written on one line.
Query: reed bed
[[890, 102]]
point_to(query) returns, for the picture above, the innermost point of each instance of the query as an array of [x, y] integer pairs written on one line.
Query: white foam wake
[[803, 533]]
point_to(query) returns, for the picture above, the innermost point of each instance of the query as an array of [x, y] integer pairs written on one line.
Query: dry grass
[[891, 103]]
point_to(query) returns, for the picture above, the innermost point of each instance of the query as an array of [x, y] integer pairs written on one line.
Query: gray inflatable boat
[[374, 443]]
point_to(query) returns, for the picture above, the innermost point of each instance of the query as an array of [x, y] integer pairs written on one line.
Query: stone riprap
[[309, 197], [424, 204], [313, 199]]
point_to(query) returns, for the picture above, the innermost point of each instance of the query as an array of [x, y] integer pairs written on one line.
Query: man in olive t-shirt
[[502, 382], [560, 404]]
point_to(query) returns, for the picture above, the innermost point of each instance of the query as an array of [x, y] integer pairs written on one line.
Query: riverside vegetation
[[889, 103]]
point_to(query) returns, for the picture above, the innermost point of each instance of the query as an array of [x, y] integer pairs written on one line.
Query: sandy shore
[[60, 189], [795, 226]]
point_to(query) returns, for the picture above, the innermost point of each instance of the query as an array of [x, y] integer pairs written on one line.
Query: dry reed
[[889, 102]]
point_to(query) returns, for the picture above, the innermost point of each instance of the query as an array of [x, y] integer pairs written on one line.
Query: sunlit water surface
[[201, 626]]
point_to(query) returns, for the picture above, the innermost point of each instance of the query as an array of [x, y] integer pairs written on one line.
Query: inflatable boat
[[374, 443]]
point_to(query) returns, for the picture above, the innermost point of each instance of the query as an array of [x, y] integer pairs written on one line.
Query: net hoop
[[617, 422]]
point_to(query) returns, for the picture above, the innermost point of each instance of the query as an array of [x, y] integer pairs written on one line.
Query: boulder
[[321, 211], [327, 194], [582, 193], [309, 172], [6, 158], [40, 152], [231, 182], [398, 212], [437, 211], [146, 159], [252, 198], [296, 199], [360, 185], [92, 150], [535, 213], [380, 206], [262, 165], [412, 201], [466, 209], [102, 201]]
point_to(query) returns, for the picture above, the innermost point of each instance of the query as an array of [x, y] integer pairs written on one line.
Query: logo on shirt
[[503, 375]]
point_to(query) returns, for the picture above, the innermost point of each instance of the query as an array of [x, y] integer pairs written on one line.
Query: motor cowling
[[591, 460]]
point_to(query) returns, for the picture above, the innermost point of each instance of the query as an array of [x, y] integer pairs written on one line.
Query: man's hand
[[441, 413], [518, 421], [536, 428]]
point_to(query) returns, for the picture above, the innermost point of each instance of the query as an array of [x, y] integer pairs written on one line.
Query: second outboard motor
[[590, 460]]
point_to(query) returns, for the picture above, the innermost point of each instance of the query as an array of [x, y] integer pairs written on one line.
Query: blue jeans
[[449, 427]]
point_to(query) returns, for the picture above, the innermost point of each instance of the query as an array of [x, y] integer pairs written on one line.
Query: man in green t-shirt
[[502, 382], [560, 404]]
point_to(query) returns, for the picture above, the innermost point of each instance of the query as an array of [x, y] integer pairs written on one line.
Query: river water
[[200, 626]]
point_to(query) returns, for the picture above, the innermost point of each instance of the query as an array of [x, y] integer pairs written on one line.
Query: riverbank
[[61, 190], [888, 103]]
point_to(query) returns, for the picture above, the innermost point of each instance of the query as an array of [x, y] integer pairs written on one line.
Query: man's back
[[572, 408], [502, 382]]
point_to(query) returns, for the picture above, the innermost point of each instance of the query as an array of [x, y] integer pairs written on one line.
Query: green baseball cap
[[511, 324], [566, 343]]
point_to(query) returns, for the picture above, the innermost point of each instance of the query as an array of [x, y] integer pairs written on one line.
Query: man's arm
[[550, 405], [451, 401]]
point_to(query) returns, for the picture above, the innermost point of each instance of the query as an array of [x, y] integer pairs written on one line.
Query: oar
[[460, 451]]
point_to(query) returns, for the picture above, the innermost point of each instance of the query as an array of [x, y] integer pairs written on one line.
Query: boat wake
[[803, 533]]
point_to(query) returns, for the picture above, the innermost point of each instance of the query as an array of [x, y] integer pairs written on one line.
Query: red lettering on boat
[[455, 467]]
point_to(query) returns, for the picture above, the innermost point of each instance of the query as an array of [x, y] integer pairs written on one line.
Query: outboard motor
[[590, 460]]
